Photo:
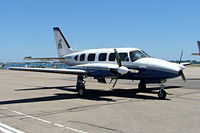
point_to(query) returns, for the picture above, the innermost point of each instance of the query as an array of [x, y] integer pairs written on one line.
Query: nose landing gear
[[162, 93]]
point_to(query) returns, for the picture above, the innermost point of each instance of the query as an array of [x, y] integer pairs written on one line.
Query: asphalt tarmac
[[48, 103]]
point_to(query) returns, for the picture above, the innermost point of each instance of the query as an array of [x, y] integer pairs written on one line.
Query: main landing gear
[[80, 86], [142, 86]]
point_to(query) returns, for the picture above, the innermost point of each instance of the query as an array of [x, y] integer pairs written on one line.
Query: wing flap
[[51, 70]]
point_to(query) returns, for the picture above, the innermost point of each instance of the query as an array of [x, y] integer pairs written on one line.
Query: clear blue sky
[[161, 27]]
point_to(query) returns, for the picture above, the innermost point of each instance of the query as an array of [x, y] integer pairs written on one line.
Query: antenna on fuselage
[[102, 45]]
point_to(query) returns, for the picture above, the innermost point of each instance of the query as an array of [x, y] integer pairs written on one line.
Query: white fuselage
[[70, 58], [132, 58]]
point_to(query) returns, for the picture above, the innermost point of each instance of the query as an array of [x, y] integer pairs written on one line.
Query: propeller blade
[[181, 57], [117, 58], [182, 75], [115, 82], [111, 81]]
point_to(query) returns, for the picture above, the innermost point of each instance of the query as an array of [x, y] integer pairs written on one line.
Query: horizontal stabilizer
[[195, 53], [51, 70], [198, 43], [44, 59]]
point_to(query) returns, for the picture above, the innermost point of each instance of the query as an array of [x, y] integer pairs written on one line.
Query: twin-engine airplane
[[113, 63], [198, 42]]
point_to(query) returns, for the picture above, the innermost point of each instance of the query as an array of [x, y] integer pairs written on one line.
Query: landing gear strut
[[142, 86], [80, 86], [162, 93]]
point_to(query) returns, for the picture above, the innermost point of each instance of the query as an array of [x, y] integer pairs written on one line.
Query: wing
[[51, 70], [45, 59]]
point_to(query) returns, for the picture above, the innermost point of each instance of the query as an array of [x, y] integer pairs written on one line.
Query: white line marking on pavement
[[58, 125], [42, 120], [7, 129], [18, 113], [3, 108]]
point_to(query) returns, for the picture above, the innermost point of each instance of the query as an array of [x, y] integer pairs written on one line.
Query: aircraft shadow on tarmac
[[97, 95]]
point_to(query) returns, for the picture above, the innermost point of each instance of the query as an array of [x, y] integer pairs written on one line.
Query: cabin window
[[82, 57], [123, 56], [112, 57], [102, 56], [91, 57], [134, 55], [76, 57]]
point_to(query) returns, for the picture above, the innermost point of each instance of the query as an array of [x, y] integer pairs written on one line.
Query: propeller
[[182, 67], [115, 83], [121, 69], [117, 58], [182, 75], [181, 57]]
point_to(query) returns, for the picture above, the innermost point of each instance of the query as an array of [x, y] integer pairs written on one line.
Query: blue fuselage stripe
[[142, 74]]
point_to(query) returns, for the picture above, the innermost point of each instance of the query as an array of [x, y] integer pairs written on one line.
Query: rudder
[[198, 42], [62, 45]]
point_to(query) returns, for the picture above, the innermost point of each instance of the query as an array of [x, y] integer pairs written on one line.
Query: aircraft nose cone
[[165, 66]]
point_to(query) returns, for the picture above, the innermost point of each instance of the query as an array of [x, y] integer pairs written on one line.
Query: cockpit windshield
[[147, 55], [137, 54]]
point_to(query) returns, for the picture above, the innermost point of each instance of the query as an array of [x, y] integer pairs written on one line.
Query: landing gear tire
[[80, 86], [141, 87], [162, 94], [82, 91]]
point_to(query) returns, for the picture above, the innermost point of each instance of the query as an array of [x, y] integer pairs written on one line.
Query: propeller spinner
[[121, 69]]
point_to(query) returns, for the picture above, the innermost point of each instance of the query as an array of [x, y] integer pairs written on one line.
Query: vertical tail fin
[[62, 45], [198, 42]]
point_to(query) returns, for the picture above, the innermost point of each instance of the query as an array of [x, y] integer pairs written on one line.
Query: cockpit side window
[[135, 55], [124, 56], [76, 57]]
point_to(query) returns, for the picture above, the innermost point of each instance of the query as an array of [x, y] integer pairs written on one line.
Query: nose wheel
[[162, 93]]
